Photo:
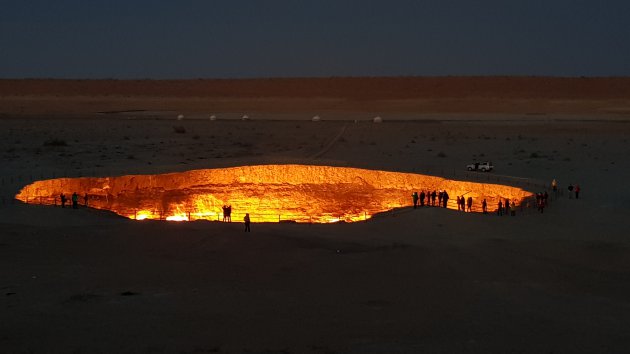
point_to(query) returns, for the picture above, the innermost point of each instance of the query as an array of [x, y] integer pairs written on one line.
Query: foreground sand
[[426, 280]]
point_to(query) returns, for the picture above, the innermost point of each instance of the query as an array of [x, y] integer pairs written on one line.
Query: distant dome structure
[[213, 117], [245, 117], [316, 119], [180, 117], [378, 119]]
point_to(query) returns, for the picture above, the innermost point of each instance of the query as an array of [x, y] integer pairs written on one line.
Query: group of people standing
[[464, 204], [541, 201], [440, 198], [74, 198], [431, 197], [574, 189], [227, 217], [227, 213], [507, 208]]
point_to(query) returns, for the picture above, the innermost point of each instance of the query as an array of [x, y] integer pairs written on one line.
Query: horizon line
[[320, 77]]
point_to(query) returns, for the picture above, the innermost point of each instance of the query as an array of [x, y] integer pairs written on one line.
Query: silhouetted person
[[577, 191], [541, 205], [469, 204], [507, 206], [85, 199], [570, 188], [433, 196], [440, 194], [462, 200], [247, 221], [63, 200], [75, 200], [414, 196], [225, 213], [229, 213], [445, 199], [484, 206], [500, 208], [422, 198], [459, 204], [513, 209]]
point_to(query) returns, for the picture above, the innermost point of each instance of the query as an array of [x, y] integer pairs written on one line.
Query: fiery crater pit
[[269, 193]]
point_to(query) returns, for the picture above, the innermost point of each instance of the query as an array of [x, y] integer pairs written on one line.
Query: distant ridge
[[356, 88]]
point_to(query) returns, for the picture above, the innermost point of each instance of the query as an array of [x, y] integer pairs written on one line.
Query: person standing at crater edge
[[414, 196], [577, 191], [225, 213], [247, 222]]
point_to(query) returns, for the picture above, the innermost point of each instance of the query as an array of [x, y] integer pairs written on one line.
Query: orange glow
[[269, 193]]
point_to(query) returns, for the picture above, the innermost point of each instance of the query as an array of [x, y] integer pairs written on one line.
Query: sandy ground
[[425, 280]]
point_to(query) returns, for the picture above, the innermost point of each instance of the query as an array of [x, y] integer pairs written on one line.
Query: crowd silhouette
[[504, 206]]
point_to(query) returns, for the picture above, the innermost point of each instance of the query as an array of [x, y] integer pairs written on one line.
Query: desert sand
[[408, 281]]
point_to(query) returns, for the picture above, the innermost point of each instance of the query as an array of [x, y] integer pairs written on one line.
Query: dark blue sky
[[273, 38]]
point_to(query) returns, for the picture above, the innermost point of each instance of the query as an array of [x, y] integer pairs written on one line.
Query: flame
[[179, 217], [141, 215], [269, 193]]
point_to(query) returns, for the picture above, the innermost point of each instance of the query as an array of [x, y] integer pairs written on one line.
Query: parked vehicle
[[480, 166]]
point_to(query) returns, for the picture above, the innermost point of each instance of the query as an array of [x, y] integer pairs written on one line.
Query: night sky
[[267, 38]]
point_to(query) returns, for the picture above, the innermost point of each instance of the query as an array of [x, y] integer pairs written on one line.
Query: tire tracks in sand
[[330, 144]]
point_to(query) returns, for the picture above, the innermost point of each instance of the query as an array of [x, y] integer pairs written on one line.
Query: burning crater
[[269, 193]]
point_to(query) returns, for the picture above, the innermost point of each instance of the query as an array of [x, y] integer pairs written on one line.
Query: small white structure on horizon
[[378, 119], [213, 117], [316, 119], [180, 117], [245, 117]]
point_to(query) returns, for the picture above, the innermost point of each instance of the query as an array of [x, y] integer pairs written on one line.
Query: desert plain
[[407, 281]]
